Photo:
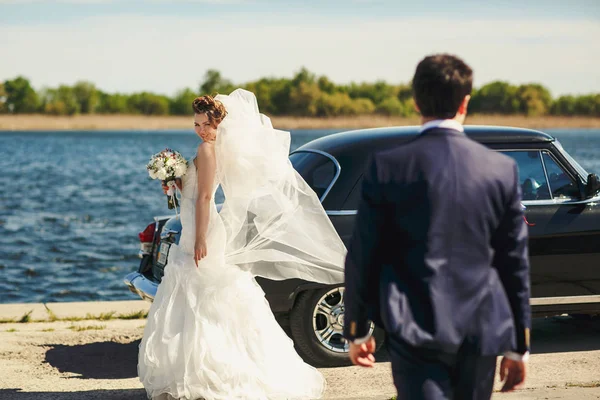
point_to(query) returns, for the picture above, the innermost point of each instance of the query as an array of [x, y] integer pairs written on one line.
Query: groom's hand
[[362, 354], [513, 374]]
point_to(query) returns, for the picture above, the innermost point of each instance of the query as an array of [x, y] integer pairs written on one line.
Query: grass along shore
[[140, 122]]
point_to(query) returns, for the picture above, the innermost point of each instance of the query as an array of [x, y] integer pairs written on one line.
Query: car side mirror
[[593, 186]]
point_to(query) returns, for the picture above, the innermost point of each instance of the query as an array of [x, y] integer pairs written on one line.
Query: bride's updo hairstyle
[[214, 109]]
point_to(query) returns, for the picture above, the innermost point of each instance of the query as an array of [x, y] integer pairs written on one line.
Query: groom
[[439, 253]]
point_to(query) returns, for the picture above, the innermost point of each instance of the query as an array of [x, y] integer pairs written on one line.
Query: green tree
[[588, 105], [20, 96], [376, 92], [87, 97], [410, 107], [2, 98], [273, 95], [214, 83], [495, 98], [304, 76], [564, 105], [404, 93], [391, 106], [148, 104], [303, 98], [60, 101], [326, 86], [332, 105], [340, 104], [112, 103], [360, 106], [534, 99], [181, 104]]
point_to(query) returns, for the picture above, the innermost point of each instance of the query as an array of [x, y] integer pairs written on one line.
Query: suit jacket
[[439, 251]]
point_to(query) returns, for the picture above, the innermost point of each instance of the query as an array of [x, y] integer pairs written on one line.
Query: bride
[[210, 332]]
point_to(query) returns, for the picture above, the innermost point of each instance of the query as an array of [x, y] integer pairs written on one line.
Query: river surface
[[72, 204]]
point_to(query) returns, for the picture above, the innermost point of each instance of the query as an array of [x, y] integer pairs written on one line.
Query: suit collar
[[442, 124]]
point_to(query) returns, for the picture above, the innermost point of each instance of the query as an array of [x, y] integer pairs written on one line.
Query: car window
[[316, 169], [531, 174], [562, 185], [582, 172]]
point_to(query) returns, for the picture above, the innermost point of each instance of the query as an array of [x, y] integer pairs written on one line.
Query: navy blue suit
[[439, 260]]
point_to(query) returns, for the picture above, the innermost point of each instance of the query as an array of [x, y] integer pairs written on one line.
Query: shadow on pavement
[[565, 334], [124, 394], [112, 360], [101, 360]]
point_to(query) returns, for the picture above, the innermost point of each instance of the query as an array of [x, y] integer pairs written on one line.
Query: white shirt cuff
[[511, 355], [361, 340]]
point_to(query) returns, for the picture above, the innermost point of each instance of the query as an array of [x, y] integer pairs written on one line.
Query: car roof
[[381, 137]]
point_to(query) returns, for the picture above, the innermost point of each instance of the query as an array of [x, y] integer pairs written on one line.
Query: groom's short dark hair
[[440, 84]]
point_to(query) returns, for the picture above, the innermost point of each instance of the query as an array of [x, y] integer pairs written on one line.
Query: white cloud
[[167, 53]]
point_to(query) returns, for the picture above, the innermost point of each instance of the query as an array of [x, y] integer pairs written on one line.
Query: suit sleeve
[[512, 263], [361, 267]]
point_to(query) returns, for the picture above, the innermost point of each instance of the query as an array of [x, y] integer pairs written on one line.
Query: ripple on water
[[96, 256], [31, 272]]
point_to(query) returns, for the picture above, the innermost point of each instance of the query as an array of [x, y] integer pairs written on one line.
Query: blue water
[[72, 204]]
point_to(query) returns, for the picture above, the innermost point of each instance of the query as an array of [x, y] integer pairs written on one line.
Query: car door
[[563, 229]]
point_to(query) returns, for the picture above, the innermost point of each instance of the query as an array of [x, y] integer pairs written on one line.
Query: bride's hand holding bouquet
[[168, 166]]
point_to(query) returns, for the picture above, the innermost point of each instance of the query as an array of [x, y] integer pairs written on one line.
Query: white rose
[[152, 174], [161, 174], [170, 162], [180, 170], [159, 163]]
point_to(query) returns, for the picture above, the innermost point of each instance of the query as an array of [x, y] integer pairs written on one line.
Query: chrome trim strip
[[560, 201], [338, 213], [338, 168], [161, 217], [141, 285], [547, 301], [166, 232], [560, 165], [546, 175]]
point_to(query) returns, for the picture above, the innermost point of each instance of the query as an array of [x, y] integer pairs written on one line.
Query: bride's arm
[[205, 167]]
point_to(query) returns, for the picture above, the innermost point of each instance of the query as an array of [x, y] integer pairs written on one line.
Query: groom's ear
[[462, 109]]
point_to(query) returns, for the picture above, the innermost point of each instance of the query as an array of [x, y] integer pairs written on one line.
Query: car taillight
[[147, 236]]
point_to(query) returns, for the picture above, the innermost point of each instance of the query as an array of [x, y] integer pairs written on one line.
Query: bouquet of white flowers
[[168, 165]]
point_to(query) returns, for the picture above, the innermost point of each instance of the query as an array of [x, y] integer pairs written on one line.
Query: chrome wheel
[[328, 321]]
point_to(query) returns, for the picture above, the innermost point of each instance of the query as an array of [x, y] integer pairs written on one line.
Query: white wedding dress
[[210, 332]]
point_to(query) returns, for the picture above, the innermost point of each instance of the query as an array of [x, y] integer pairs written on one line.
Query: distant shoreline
[[140, 122]]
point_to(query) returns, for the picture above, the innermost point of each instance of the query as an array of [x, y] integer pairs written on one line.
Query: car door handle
[[525, 217], [527, 222]]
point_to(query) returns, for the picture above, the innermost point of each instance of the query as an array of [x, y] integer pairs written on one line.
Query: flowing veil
[[276, 226]]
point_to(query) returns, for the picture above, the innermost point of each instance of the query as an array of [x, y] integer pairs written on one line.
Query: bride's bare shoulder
[[206, 150]]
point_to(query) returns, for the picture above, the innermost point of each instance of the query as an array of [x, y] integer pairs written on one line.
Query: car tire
[[307, 321]]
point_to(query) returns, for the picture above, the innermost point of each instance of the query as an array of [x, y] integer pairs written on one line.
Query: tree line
[[305, 94]]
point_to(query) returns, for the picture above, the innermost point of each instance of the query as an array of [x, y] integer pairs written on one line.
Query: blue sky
[[164, 46]]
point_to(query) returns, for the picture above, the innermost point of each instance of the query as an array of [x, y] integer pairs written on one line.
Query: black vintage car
[[562, 211]]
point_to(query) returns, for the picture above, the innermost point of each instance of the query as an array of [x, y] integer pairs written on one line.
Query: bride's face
[[203, 128]]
